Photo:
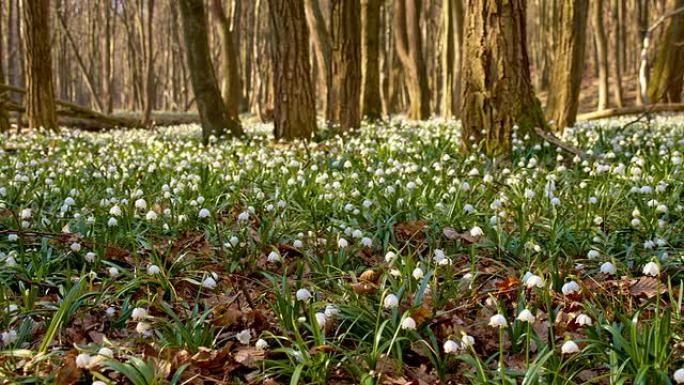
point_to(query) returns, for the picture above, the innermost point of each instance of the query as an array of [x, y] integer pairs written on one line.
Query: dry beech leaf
[[68, 373], [454, 235], [248, 355], [363, 288], [647, 286], [368, 276]]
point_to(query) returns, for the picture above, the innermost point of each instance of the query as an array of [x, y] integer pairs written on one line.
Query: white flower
[[75, 247], [593, 254], [112, 222], [115, 211], [151, 216], [569, 347], [261, 344], [555, 201], [83, 360], [140, 204], [418, 273], [98, 383], [651, 269], [297, 244], [534, 281], [331, 311], [143, 328], [451, 347], [390, 256], [497, 320], [110, 312], [303, 294], [9, 337], [467, 340], [321, 319], [244, 336], [12, 237], [408, 324], [273, 256], [526, 316], [476, 231], [25, 214], [106, 352], [608, 268], [204, 213], [678, 376], [342, 243], [113, 271], [391, 301], [90, 257], [209, 283], [138, 313], [153, 269], [243, 216], [570, 287], [583, 320], [366, 242]]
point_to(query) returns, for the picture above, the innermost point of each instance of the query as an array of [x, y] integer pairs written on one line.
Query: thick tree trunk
[[452, 14], [231, 89], [567, 73], [323, 49], [41, 95], [295, 108], [213, 113], [601, 53], [409, 43], [371, 103], [496, 89], [665, 84], [617, 53], [345, 31]]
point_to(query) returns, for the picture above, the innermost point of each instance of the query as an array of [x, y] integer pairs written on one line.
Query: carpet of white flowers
[[384, 257]]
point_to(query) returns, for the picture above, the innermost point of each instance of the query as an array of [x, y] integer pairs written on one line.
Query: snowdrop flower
[[298, 244], [678, 376], [25, 214], [555, 201], [391, 301], [140, 204], [12, 237], [476, 231], [608, 268], [143, 328], [569, 347], [209, 283], [408, 324], [110, 312], [138, 313], [418, 273], [261, 344], [583, 320], [331, 311], [303, 294], [112, 222], [151, 216], [75, 247], [468, 208], [570, 287], [153, 269], [451, 347], [497, 320], [651, 269], [321, 319], [467, 340], [115, 211], [635, 222], [244, 336], [534, 281], [106, 352], [366, 242], [342, 243], [526, 316], [8, 337], [243, 216], [390, 256], [98, 383], [83, 360], [113, 271], [273, 256], [90, 257], [204, 213], [593, 254]]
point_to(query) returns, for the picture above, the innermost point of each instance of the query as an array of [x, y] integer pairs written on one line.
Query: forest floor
[[384, 258]]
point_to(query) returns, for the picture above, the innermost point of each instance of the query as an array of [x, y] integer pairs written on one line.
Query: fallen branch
[[613, 112], [553, 139]]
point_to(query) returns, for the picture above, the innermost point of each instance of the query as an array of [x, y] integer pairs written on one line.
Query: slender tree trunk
[[4, 116], [601, 53], [371, 103], [345, 31], [322, 44], [617, 53], [213, 113], [40, 98], [644, 43], [496, 89], [295, 109], [147, 38], [231, 89], [409, 45], [452, 14], [668, 69], [567, 74]]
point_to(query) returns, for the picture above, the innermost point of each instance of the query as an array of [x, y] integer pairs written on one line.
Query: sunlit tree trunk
[[452, 14], [345, 32], [323, 49], [371, 103], [495, 90], [601, 53], [665, 84], [231, 89]]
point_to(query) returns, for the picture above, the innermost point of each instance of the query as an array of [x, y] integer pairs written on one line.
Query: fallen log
[[632, 110]]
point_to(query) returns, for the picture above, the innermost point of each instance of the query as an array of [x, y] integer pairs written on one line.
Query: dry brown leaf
[[454, 235], [646, 286], [363, 288], [407, 231], [68, 373], [249, 355], [369, 276]]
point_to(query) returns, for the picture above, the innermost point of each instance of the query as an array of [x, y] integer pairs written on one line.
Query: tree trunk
[[601, 54], [567, 73], [40, 103], [371, 103], [323, 50], [4, 116], [231, 89], [295, 107], [496, 89], [666, 77], [452, 13], [345, 31], [617, 53], [644, 43], [409, 45], [213, 113]]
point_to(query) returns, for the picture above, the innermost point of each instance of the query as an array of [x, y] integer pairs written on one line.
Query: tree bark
[[452, 14], [322, 44], [371, 103], [665, 84], [601, 54], [496, 90], [231, 89], [213, 113], [567, 73], [407, 35], [346, 64], [617, 53], [294, 109], [40, 102]]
